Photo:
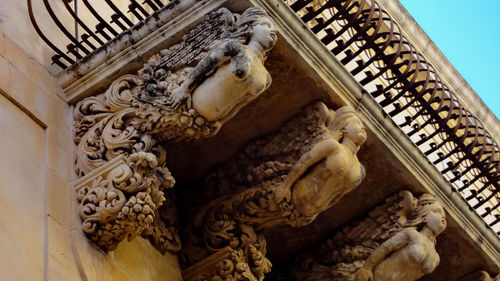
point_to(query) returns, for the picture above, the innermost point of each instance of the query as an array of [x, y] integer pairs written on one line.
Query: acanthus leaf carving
[[123, 202]]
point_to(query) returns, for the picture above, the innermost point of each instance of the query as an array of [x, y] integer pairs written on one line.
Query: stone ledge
[[101, 171]]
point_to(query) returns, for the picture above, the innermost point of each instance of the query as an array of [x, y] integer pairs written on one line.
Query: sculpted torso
[[225, 92], [340, 169], [409, 254], [415, 260], [328, 171]]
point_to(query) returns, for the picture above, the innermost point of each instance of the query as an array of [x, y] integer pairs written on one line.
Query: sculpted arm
[[317, 153], [214, 59], [392, 244]]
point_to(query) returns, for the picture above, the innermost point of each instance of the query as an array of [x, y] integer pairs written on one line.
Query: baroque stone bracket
[[117, 201], [183, 93], [287, 177], [395, 241]]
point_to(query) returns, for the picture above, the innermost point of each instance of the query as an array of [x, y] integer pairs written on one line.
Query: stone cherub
[[395, 243], [220, 65], [288, 177]]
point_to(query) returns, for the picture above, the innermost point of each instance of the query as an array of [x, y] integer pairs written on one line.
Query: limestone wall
[[39, 230]]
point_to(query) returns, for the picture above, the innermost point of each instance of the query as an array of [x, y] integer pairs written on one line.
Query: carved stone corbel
[[396, 241], [119, 200], [288, 177], [186, 92]]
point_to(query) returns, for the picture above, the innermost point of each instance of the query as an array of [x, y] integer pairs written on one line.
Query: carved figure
[[396, 242], [238, 62], [138, 113], [267, 184], [333, 164]]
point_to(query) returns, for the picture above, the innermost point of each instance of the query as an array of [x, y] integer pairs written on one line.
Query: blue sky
[[468, 33]]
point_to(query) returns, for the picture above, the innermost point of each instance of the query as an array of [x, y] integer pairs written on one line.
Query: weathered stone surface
[[396, 241], [186, 92], [22, 197]]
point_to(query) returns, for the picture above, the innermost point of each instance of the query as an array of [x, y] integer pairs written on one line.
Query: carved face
[[355, 130], [436, 218], [264, 32]]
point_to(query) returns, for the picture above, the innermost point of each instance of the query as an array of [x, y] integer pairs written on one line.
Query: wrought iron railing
[[98, 23], [367, 41]]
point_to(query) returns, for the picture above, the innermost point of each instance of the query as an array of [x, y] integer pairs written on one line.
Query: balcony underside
[[303, 71]]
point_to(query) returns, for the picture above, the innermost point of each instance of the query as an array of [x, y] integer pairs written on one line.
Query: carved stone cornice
[[288, 177]]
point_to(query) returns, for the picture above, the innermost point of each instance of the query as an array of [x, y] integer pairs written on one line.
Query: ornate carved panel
[[288, 177], [183, 93]]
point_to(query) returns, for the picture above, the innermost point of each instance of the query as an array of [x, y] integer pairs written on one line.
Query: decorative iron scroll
[[369, 43], [92, 37]]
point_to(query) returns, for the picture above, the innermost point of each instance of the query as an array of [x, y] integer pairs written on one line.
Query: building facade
[[240, 140]]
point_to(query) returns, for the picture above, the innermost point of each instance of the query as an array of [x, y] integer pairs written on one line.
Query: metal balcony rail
[[92, 37], [367, 41]]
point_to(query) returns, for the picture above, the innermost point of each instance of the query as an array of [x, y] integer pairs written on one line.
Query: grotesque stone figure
[[288, 177], [395, 242], [220, 65]]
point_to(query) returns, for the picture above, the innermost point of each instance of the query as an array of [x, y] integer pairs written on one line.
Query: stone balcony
[[303, 70]]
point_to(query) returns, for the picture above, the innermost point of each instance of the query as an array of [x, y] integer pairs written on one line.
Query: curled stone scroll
[[396, 241], [288, 177], [186, 92]]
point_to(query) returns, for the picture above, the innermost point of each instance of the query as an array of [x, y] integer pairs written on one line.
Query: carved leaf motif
[[125, 203]]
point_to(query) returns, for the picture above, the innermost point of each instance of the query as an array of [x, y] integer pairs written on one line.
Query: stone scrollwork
[[120, 201], [395, 242], [288, 177], [185, 92], [227, 264]]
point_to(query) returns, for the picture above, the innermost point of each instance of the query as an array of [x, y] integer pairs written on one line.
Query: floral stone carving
[[288, 177], [395, 242], [186, 92]]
